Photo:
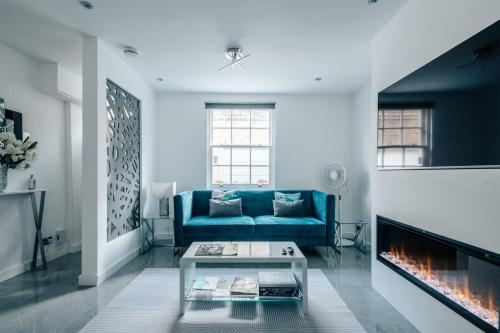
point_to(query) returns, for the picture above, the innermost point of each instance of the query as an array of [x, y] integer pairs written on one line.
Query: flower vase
[[3, 178]]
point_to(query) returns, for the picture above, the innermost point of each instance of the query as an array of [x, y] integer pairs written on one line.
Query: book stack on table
[[277, 284]]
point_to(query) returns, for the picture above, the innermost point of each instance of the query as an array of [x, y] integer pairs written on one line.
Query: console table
[[38, 216]]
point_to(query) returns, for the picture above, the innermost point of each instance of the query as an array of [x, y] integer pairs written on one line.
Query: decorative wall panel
[[123, 139]]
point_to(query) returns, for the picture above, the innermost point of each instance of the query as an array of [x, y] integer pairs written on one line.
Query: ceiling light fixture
[[130, 52], [235, 54], [86, 4], [159, 79], [318, 79], [372, 1]]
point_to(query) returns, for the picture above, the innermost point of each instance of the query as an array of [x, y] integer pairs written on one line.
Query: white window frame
[[271, 151]]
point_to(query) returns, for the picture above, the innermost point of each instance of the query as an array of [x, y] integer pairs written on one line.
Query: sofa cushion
[[225, 208], [273, 226], [223, 227]]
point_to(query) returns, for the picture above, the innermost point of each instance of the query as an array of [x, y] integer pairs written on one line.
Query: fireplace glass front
[[461, 276]]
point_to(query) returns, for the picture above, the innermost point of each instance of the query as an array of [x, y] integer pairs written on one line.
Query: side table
[[359, 237], [148, 232], [38, 217]]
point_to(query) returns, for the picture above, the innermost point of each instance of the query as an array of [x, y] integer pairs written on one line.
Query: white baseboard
[[26, 265], [164, 235], [73, 248], [88, 280]]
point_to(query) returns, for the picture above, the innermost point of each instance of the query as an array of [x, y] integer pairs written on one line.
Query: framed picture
[[14, 123], [2, 114]]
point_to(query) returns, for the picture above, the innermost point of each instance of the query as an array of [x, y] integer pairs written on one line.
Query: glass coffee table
[[249, 255]]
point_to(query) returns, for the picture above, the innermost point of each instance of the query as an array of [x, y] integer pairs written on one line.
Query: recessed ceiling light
[[372, 1], [130, 52], [159, 79], [318, 79], [86, 4]]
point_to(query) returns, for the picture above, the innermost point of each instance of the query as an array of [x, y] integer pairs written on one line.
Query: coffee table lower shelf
[[234, 298]]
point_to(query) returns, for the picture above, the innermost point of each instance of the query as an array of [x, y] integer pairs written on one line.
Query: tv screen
[[447, 113]]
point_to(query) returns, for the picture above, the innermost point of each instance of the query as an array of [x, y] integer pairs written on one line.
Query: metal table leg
[[38, 216]]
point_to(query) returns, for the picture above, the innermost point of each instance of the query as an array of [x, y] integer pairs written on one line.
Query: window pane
[[412, 137], [260, 175], [392, 119], [221, 118], [412, 118], [393, 157], [221, 137], [380, 154], [380, 136], [260, 137], [414, 157], [241, 136], [221, 175], [260, 119], [392, 137], [380, 122], [241, 118], [241, 156], [221, 156], [241, 175], [260, 156]]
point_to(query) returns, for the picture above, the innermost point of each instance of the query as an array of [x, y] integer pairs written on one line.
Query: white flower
[[12, 150], [8, 137], [29, 157]]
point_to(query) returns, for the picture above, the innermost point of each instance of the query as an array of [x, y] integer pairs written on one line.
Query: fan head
[[335, 175]]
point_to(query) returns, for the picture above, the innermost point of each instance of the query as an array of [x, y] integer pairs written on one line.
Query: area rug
[[150, 304]]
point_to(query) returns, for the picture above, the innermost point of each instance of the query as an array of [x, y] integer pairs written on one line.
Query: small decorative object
[[164, 208], [14, 154], [32, 182], [164, 192]]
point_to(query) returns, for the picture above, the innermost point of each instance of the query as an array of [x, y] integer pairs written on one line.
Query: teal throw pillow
[[279, 196]]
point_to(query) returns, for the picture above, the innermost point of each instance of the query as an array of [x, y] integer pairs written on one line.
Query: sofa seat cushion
[[273, 226], [223, 227]]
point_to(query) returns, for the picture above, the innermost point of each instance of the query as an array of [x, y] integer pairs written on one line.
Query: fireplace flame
[[454, 289]]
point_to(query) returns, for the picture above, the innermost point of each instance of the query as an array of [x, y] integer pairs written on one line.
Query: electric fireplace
[[461, 276]]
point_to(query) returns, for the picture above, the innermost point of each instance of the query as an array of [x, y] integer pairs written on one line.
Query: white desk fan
[[335, 177]]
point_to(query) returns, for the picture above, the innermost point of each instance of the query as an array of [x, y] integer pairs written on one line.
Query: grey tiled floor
[[51, 301]]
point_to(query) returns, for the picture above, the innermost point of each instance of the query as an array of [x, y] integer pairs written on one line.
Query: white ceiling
[[290, 41]]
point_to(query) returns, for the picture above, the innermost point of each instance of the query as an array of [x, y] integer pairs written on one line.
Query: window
[[240, 144], [403, 137]]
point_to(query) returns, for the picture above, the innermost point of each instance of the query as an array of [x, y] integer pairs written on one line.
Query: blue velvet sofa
[[192, 223]]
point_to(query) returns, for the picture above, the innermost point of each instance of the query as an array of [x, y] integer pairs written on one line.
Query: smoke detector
[[130, 52]]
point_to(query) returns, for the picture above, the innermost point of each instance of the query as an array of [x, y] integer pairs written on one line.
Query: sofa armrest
[[324, 210], [183, 208]]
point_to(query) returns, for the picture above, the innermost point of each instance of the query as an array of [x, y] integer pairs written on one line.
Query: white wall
[[73, 125], [101, 258], [362, 163], [43, 117], [461, 204], [310, 132]]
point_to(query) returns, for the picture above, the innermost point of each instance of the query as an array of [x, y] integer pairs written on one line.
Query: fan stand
[[343, 242]]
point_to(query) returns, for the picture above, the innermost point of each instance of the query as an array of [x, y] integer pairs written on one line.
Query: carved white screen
[[123, 138]]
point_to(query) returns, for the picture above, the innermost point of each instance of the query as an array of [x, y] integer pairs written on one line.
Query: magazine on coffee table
[[217, 249]]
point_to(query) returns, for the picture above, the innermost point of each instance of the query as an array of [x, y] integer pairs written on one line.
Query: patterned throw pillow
[[279, 196], [225, 208], [288, 208], [225, 195]]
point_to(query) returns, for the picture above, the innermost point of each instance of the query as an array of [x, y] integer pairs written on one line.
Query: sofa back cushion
[[254, 202]]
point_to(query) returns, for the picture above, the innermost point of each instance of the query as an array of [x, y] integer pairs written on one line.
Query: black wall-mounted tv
[[447, 113]]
